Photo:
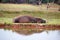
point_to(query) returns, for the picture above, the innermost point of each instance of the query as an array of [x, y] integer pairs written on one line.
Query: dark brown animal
[[28, 19], [39, 20]]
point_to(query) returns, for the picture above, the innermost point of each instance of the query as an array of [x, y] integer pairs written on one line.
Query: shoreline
[[28, 29], [32, 25]]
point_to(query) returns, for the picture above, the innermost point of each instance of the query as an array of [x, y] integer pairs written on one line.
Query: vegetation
[[9, 11], [50, 17]]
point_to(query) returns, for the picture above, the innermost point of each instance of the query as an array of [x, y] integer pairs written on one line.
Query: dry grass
[[28, 7]]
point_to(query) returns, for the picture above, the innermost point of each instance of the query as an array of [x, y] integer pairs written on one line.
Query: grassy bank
[[9, 11], [50, 17]]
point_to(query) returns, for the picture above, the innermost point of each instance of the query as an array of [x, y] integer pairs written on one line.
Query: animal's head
[[43, 21], [39, 20]]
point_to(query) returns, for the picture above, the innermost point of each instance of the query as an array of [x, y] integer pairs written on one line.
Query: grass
[[27, 7], [50, 17], [9, 11]]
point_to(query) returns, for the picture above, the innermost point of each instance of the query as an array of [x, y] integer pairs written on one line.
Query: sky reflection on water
[[9, 35]]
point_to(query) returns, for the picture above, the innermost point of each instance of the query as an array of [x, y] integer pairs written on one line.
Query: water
[[10, 35]]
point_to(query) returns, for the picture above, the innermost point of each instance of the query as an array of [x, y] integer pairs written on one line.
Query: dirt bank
[[30, 26], [28, 29]]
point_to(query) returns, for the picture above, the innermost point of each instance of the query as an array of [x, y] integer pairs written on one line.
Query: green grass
[[50, 17], [9, 11]]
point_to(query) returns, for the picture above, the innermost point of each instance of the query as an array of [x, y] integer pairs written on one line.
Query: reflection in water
[[30, 33], [22, 29], [28, 29], [9, 35]]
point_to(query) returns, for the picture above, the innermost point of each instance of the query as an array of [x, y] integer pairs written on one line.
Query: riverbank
[[28, 28], [10, 11], [50, 17], [31, 26]]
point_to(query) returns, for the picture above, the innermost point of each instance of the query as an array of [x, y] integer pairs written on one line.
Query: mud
[[28, 29]]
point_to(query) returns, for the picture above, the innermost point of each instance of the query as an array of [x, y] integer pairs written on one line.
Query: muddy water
[[45, 35]]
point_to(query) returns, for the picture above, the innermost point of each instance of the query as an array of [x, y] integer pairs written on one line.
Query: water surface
[[10, 35]]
